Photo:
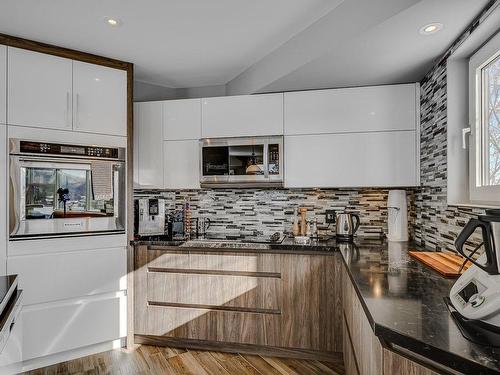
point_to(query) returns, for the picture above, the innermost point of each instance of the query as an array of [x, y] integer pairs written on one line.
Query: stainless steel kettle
[[346, 225]]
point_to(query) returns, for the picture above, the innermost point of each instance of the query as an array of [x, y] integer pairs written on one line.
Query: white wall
[[146, 92]]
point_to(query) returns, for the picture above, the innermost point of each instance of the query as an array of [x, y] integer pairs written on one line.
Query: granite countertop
[[404, 303]]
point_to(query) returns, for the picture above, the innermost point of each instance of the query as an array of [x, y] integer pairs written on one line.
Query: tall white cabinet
[[99, 99], [74, 287], [40, 90]]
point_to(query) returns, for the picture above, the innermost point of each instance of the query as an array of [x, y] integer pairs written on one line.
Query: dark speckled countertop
[[404, 303], [402, 298]]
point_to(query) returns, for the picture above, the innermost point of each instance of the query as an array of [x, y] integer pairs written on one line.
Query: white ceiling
[[391, 52], [193, 43], [177, 43]]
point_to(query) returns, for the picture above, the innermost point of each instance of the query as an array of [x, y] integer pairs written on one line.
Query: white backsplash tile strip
[[265, 211], [436, 224]]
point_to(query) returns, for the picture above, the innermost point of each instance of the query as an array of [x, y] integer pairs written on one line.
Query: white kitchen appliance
[[476, 293], [397, 216]]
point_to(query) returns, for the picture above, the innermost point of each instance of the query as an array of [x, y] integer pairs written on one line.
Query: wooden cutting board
[[447, 264]]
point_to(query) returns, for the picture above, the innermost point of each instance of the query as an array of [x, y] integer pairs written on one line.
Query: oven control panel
[[69, 150]]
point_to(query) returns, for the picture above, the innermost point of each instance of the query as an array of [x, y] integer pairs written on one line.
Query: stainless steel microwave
[[241, 162], [65, 190]]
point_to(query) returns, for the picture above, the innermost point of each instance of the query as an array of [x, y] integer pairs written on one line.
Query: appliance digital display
[[468, 291], [72, 150]]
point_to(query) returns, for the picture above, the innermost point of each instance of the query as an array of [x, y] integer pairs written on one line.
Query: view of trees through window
[[491, 119]]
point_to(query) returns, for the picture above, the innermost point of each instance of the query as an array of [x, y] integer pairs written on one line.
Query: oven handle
[[54, 162]]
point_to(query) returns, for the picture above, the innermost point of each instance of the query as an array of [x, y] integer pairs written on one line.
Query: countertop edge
[[388, 335]]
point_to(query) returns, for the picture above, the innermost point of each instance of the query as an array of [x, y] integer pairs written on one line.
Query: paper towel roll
[[397, 216]]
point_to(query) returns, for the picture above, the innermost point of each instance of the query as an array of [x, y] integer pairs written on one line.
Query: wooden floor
[[159, 360]]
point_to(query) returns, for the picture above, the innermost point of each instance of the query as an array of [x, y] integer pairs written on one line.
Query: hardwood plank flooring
[[146, 359]]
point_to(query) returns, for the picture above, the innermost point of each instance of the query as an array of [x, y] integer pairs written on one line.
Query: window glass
[[491, 122]]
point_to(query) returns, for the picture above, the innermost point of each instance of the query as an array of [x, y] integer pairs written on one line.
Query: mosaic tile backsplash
[[437, 224], [265, 211]]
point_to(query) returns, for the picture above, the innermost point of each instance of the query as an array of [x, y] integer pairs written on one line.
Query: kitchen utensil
[[203, 223], [447, 264]]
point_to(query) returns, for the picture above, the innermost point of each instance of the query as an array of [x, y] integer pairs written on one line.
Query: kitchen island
[[321, 300]]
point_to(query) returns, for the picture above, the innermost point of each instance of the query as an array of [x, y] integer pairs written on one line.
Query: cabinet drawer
[[218, 292], [205, 324], [50, 277], [224, 262]]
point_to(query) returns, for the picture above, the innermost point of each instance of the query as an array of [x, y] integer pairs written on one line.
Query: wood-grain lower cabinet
[[364, 353], [278, 300]]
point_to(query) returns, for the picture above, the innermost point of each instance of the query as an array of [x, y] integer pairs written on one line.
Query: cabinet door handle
[[77, 110], [465, 133], [68, 110]]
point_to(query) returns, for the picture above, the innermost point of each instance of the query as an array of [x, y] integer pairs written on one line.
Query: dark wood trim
[[14, 41], [274, 275], [130, 207], [252, 310], [268, 351]]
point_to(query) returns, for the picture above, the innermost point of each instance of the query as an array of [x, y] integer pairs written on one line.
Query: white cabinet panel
[[66, 325], [360, 109], [181, 164], [50, 277], [99, 99], [39, 90], [246, 115], [149, 144], [382, 159], [182, 119], [3, 84]]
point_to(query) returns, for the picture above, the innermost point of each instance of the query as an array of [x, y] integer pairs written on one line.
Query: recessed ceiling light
[[431, 28], [113, 21]]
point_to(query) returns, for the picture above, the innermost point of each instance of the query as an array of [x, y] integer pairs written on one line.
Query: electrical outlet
[[330, 216]]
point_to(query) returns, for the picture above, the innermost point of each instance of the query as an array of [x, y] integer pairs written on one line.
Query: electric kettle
[[346, 225]]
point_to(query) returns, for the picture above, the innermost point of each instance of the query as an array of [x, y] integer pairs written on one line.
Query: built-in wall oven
[[65, 190], [241, 162]]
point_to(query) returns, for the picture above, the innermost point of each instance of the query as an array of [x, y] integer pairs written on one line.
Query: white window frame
[[480, 195]]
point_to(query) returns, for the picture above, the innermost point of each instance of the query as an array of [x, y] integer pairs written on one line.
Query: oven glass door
[[52, 197]]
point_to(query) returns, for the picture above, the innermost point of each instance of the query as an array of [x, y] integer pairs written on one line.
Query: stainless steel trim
[[11, 319], [232, 181], [15, 149]]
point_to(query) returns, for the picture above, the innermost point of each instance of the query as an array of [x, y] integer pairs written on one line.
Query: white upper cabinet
[[99, 99], [182, 119], [148, 143], [39, 90], [3, 84], [246, 115], [181, 163], [381, 159], [360, 109]]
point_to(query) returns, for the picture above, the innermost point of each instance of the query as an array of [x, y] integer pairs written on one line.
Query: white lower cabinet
[[66, 325], [181, 164], [3, 201], [377, 159], [57, 276]]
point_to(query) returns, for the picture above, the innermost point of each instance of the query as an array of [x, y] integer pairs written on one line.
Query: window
[[484, 119]]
